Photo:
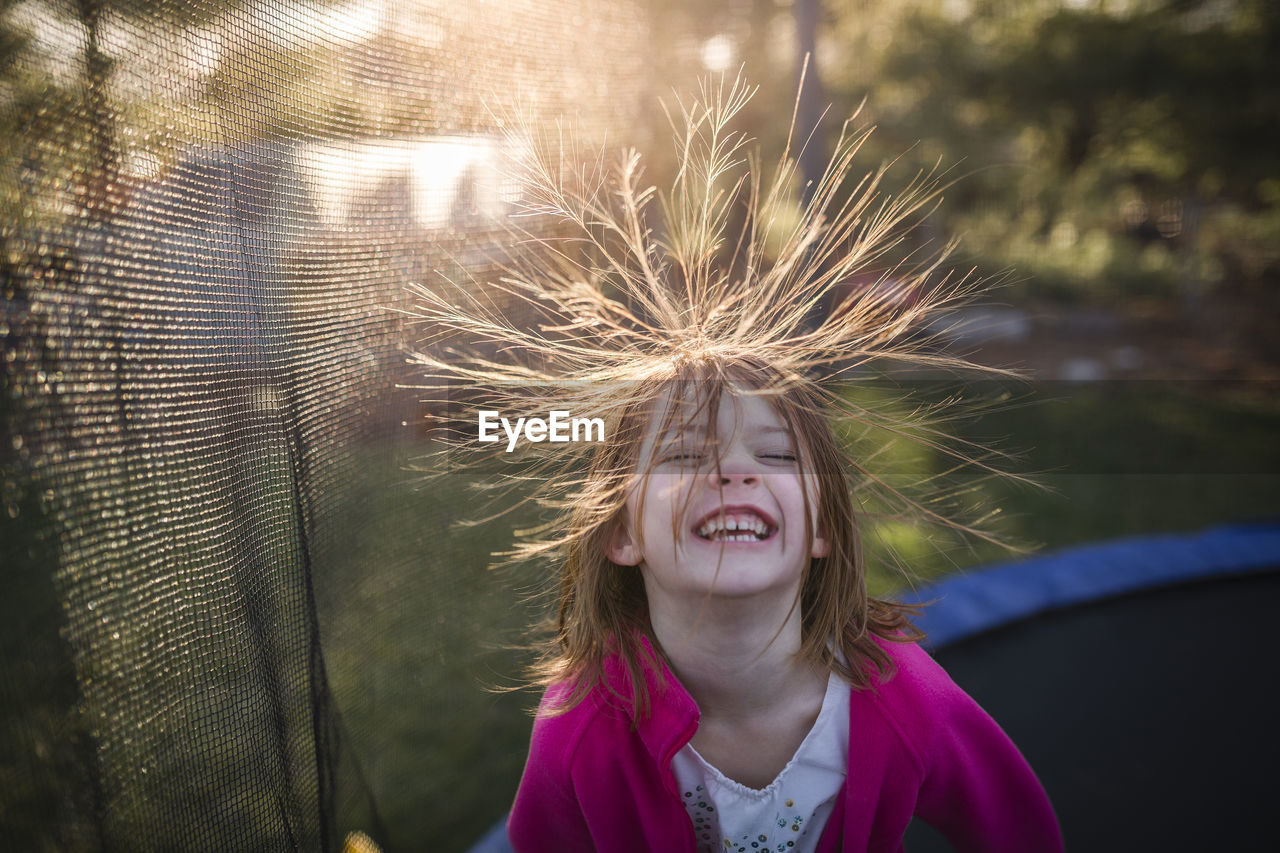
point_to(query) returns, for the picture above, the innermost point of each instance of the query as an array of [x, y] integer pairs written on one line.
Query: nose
[[724, 480], [735, 469]]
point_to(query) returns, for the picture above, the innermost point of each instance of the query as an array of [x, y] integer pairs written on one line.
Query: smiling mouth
[[735, 526]]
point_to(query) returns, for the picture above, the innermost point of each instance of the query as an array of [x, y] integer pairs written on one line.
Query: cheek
[[664, 513], [668, 496]]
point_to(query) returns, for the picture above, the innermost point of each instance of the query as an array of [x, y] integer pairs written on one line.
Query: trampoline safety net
[[232, 617]]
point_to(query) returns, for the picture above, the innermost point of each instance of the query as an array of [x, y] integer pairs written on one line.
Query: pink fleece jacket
[[597, 779]]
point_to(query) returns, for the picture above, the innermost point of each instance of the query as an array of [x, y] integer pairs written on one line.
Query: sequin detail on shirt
[[787, 816]]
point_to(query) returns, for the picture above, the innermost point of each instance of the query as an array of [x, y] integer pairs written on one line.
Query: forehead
[[688, 412]]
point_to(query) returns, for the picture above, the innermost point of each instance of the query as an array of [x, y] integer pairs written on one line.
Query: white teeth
[[734, 528]]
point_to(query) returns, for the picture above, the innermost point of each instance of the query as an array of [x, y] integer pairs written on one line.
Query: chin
[[740, 584]]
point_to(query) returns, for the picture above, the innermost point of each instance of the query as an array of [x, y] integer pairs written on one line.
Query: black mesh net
[[233, 619]]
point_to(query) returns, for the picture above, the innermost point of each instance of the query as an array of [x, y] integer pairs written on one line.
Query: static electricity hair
[[601, 606], [720, 282]]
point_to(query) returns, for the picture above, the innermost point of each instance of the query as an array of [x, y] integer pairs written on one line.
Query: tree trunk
[[813, 155]]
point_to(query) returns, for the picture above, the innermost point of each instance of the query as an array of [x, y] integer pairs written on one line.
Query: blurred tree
[[1110, 150], [64, 107], [766, 39], [34, 101]]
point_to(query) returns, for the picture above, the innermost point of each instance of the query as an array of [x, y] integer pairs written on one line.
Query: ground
[[1141, 342]]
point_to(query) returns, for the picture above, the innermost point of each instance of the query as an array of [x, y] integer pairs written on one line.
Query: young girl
[[719, 678], [726, 682]]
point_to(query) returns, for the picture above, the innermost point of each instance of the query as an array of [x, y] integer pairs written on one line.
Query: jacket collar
[[673, 715]]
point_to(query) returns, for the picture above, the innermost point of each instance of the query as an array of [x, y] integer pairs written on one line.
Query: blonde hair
[[601, 607], [704, 300]]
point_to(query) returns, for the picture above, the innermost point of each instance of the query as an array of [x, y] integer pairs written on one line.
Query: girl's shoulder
[[915, 674], [917, 698], [566, 710], [568, 725], [560, 722]]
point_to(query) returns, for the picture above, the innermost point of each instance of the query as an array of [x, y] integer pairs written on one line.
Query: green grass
[[417, 636], [1124, 458], [1108, 460]]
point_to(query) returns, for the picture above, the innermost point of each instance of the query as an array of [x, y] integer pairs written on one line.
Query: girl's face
[[733, 531]]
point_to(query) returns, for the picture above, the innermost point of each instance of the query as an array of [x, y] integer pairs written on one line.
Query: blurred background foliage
[[1109, 152]]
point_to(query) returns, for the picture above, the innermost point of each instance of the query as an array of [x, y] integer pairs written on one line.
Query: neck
[[736, 657]]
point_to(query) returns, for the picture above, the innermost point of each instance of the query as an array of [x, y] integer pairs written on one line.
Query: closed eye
[[780, 456]]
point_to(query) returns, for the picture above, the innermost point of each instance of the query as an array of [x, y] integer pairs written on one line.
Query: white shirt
[[789, 814]]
